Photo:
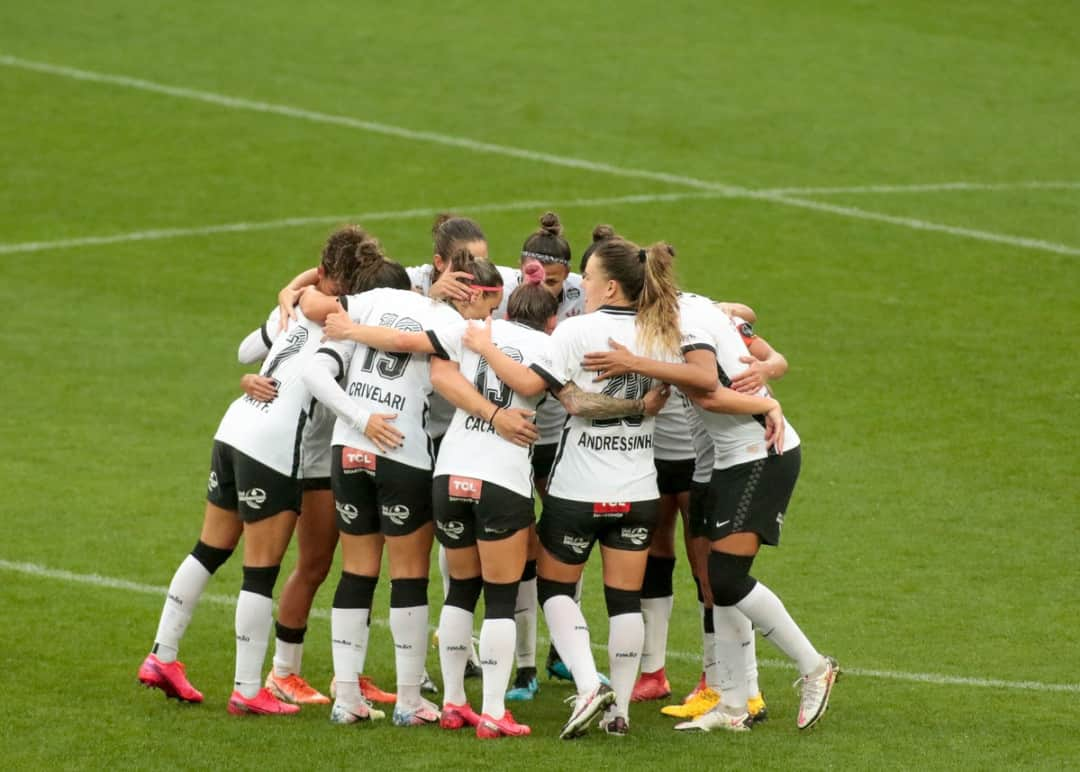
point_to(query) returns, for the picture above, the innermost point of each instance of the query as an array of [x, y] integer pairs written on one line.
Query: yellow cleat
[[702, 702], [755, 706]]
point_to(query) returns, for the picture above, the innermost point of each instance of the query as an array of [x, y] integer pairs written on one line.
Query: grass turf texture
[[933, 526]]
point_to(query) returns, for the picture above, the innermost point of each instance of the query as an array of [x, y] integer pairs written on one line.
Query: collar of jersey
[[618, 310]]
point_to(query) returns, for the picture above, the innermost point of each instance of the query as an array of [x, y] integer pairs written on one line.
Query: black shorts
[[467, 509], [543, 456], [674, 477], [373, 494], [568, 529], [752, 497], [698, 520], [240, 483], [316, 483]]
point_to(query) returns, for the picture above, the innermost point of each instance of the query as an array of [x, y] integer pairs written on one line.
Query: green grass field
[[165, 167]]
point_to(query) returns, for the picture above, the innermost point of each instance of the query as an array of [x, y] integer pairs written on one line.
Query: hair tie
[[547, 259], [641, 255]]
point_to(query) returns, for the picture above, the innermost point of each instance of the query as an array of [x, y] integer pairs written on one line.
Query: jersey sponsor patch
[[610, 508], [465, 488], [356, 460]]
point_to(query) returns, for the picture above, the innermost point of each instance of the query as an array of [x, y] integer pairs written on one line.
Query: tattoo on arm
[[588, 405]]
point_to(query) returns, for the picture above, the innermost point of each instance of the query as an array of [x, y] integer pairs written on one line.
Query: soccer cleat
[[458, 716], [556, 668], [525, 685], [702, 685], [717, 719], [700, 703], [292, 688], [586, 708], [815, 693], [473, 670], [262, 704], [614, 724], [651, 686], [373, 693], [343, 713], [427, 685], [489, 728], [169, 677], [424, 713], [755, 706]]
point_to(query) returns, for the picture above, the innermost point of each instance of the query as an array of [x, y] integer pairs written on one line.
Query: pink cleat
[[169, 677], [262, 704], [490, 728], [651, 686], [458, 716]]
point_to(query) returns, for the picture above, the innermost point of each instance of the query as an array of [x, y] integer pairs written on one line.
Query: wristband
[[497, 409], [360, 419]]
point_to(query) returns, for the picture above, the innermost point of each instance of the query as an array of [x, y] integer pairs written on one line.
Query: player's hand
[[477, 337], [515, 425], [609, 364], [287, 300], [774, 429], [259, 387], [337, 325], [448, 287], [656, 398], [380, 431], [753, 378]]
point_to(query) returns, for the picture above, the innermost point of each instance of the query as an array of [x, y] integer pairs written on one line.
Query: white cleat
[[586, 708], [717, 719], [343, 713], [816, 689]]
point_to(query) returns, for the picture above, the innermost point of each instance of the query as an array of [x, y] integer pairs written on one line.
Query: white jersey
[[272, 432], [672, 438], [737, 439], [604, 459], [420, 276], [471, 447], [551, 415], [385, 382]]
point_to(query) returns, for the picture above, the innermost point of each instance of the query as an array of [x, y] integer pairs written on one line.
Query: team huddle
[[398, 406]]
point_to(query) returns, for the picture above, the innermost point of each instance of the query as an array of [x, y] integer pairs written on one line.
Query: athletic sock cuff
[[260, 580], [546, 589], [500, 600], [408, 593], [530, 571], [729, 576], [355, 591], [289, 634], [212, 558], [658, 577], [464, 593], [622, 601]]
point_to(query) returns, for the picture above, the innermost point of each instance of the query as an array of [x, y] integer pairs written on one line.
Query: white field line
[[108, 582], [238, 103], [929, 187], [293, 222]]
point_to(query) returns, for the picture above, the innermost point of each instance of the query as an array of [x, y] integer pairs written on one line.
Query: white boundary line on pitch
[[928, 187], [108, 582], [733, 191], [293, 222]]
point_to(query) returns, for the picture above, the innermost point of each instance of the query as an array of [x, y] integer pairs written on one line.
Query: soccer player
[[383, 489], [603, 481]]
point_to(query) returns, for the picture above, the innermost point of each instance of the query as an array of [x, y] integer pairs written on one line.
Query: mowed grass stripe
[[400, 132], [937, 679]]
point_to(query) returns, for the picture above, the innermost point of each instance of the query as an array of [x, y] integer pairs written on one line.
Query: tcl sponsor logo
[[253, 498], [353, 459], [610, 508], [465, 488]]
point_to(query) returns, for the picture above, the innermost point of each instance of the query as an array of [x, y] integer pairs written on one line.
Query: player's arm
[[764, 364], [697, 373], [339, 326], [725, 400], [289, 296], [738, 309], [512, 424], [317, 306], [517, 376], [590, 405], [320, 378]]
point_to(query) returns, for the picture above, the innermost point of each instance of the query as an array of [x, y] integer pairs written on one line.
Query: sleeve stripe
[[344, 300], [553, 383], [265, 336], [336, 357], [698, 347], [440, 352]]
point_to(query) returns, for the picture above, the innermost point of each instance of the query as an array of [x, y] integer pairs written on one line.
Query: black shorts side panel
[[752, 497], [543, 456], [699, 516]]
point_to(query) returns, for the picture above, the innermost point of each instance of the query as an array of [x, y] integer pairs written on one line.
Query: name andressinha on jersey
[[621, 444], [362, 390]]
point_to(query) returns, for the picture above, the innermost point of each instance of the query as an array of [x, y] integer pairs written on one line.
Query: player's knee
[[212, 558], [729, 577], [500, 600]]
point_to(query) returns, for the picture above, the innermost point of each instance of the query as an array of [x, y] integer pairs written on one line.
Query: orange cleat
[[373, 693], [292, 688]]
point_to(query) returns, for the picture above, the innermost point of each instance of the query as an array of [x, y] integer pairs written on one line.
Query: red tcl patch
[[610, 508], [465, 488], [353, 459]]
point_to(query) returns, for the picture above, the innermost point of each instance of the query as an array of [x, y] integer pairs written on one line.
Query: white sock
[[287, 657], [409, 628], [729, 623], [455, 641], [254, 618], [496, 647], [347, 627], [626, 636], [749, 649], [525, 622], [768, 614], [185, 589], [570, 634], [656, 613]]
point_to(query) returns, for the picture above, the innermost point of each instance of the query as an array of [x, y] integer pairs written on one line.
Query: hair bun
[[603, 233], [440, 219], [368, 250], [549, 221], [533, 272]]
